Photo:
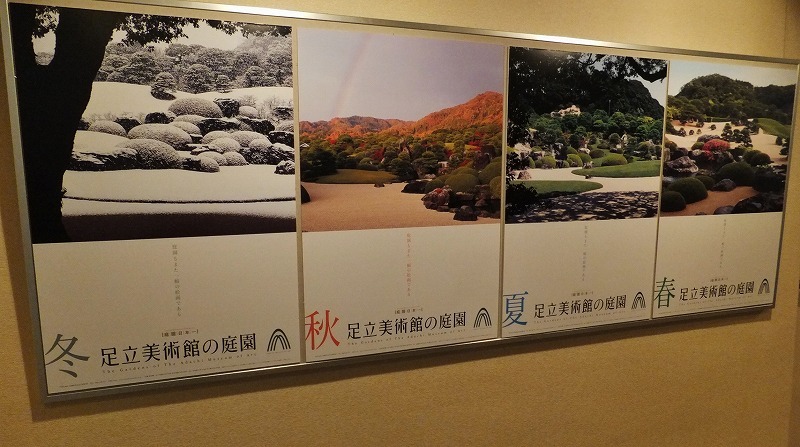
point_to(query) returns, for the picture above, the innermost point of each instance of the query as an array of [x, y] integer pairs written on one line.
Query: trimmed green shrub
[[465, 170], [496, 187], [572, 150], [225, 144], [462, 182], [154, 154], [585, 158], [738, 151], [615, 160], [186, 127], [216, 134], [574, 160], [708, 182], [109, 127], [698, 146], [692, 189], [195, 106], [757, 158], [672, 201], [234, 159], [165, 133], [537, 163], [740, 172], [603, 145], [433, 184], [669, 144], [491, 171], [597, 153], [548, 161]]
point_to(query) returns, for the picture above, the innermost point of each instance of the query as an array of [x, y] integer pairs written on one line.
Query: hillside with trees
[[720, 98], [466, 134]]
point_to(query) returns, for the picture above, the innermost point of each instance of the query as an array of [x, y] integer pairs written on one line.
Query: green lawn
[[545, 186], [649, 168], [773, 127], [351, 176]]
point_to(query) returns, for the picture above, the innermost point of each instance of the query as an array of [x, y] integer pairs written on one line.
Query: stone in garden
[[159, 118], [415, 187], [762, 203], [465, 213], [122, 158], [261, 126], [725, 184], [439, 197], [127, 122], [282, 113], [724, 210], [228, 106], [211, 124], [285, 167], [304, 196], [286, 138], [681, 167]]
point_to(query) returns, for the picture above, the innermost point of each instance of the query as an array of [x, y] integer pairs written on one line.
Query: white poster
[[723, 193], [126, 312], [583, 167], [400, 160], [159, 164]]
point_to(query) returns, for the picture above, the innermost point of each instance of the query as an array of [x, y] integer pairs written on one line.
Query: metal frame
[[502, 36]]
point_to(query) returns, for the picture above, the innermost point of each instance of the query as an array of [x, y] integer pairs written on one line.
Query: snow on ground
[[118, 98], [86, 141], [232, 183], [609, 184]]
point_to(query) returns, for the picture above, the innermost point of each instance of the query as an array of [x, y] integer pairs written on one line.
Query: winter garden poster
[[583, 164], [400, 163], [159, 164], [726, 157]]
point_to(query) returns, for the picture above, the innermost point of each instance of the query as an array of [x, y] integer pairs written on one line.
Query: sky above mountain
[[345, 73], [760, 75]]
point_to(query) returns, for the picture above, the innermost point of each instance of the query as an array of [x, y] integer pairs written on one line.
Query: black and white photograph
[[139, 126]]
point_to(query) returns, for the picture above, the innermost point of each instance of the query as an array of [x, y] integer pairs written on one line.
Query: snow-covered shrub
[[213, 135], [216, 156], [260, 144], [200, 163], [244, 137], [286, 167], [193, 119], [109, 127], [154, 154], [166, 133], [248, 111], [234, 159], [225, 144], [195, 106], [285, 126], [186, 127]]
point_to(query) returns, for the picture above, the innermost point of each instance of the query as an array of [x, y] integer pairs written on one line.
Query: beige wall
[[725, 381]]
